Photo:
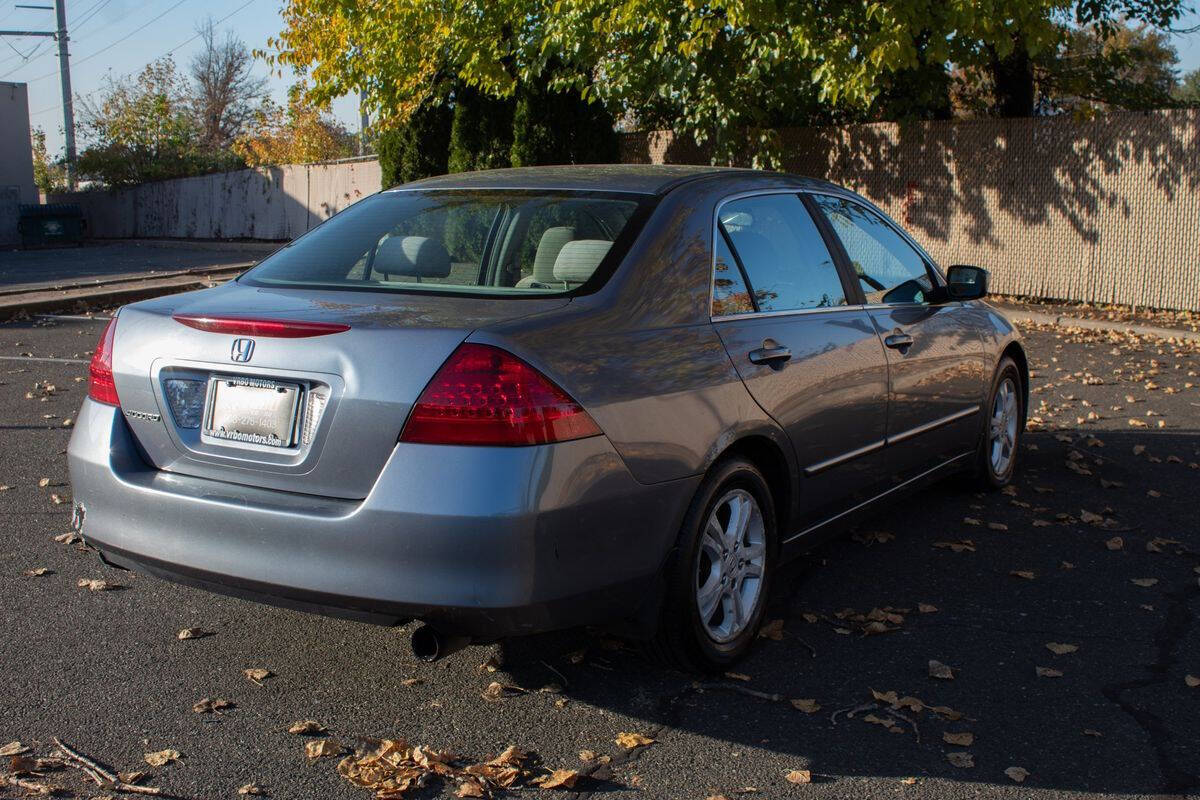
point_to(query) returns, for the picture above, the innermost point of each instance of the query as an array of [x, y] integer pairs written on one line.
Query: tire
[[684, 639], [1003, 422]]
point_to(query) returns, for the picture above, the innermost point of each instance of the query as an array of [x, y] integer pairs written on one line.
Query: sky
[[119, 37]]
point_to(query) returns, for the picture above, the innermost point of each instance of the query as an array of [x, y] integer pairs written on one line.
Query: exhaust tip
[[429, 644]]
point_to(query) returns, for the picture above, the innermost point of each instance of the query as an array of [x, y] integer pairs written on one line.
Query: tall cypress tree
[[482, 134]]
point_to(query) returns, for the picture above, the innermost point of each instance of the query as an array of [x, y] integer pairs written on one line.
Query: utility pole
[[64, 69], [362, 122]]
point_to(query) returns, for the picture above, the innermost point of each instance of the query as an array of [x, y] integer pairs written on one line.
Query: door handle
[[898, 341], [770, 355]]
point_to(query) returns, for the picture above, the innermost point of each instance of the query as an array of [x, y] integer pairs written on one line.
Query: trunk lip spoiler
[[267, 327]]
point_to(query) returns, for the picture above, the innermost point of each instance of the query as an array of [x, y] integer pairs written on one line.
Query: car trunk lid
[[317, 414]]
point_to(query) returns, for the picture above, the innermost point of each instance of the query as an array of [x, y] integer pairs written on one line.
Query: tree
[[224, 91], [1187, 91], [300, 133], [1128, 67], [418, 148], [560, 127], [481, 136], [140, 129], [49, 175]]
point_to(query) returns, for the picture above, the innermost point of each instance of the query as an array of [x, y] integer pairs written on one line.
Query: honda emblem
[[242, 350]]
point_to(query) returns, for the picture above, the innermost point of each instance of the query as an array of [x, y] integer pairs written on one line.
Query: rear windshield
[[518, 243]]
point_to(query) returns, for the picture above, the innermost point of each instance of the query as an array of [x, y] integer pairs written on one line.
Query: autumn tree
[[300, 133], [49, 175], [224, 91], [1187, 91]]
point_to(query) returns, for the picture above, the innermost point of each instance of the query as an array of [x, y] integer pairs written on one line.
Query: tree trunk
[[1012, 80]]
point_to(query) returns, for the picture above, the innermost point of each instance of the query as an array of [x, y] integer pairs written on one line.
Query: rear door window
[[785, 263], [889, 269]]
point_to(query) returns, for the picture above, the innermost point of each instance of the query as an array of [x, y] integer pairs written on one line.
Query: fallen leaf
[[37, 572], [926, 608], [1061, 649], [495, 692], [808, 706], [412, 681], [258, 674], [1018, 774], [966, 545], [886, 722], [800, 776], [737, 676], [1023, 573], [1047, 672], [1115, 543], [322, 748], [559, 779], [941, 671], [132, 776], [587, 755], [43, 483], [961, 759], [1090, 517], [13, 749], [193, 633], [964, 739], [306, 727], [96, 585], [470, 788], [772, 630], [633, 740], [997, 526], [252, 789], [161, 758], [1144, 582], [1192, 681], [207, 706], [1090, 732]]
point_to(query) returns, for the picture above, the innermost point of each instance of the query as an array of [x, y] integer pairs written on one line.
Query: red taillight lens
[[244, 326], [100, 375], [483, 395]]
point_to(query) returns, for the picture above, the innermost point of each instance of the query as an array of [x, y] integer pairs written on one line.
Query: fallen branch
[[28, 785], [850, 711], [98, 773]]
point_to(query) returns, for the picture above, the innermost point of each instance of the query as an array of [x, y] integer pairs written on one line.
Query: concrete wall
[[1104, 210], [16, 158], [278, 203]]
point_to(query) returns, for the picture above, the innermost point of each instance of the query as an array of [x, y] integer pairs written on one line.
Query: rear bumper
[[488, 542]]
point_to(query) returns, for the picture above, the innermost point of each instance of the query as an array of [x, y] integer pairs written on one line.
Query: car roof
[[633, 178]]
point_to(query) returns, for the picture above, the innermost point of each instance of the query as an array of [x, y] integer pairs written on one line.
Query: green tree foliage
[[560, 127], [1187, 91], [49, 175], [481, 136], [417, 148], [140, 129], [1127, 67]]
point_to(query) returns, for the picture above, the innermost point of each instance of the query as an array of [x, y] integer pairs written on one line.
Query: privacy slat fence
[[1103, 210]]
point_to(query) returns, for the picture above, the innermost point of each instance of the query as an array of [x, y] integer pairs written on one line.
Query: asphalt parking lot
[[1095, 551]]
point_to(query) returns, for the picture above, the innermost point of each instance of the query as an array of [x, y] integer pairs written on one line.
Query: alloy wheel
[[1002, 427], [729, 566]]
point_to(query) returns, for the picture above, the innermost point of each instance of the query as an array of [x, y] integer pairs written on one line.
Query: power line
[[168, 52]]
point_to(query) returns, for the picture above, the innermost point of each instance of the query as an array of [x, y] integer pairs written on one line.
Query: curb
[[113, 292], [1067, 321], [70, 284]]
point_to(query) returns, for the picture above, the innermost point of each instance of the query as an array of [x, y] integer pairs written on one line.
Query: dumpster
[[51, 225]]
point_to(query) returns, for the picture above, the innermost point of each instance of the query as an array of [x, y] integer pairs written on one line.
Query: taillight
[[100, 375], [255, 326], [483, 395]]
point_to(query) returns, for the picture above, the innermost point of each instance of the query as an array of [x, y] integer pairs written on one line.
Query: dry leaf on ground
[[964, 739], [207, 706], [1115, 543], [559, 779], [926, 608], [772, 630], [96, 585], [1144, 582], [941, 671], [161, 757], [807, 705], [37, 572], [1047, 672], [322, 748], [1018, 774], [800, 776], [961, 759], [1023, 573], [193, 633], [306, 727], [632, 740], [13, 749], [1060, 649], [252, 789], [1192, 681], [258, 674]]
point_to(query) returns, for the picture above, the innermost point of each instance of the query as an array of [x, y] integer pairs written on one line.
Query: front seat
[[549, 246]]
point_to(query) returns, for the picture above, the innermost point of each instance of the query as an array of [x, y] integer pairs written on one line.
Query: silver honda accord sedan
[[513, 401]]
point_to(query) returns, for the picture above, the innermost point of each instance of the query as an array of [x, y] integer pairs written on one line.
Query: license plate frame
[[239, 410]]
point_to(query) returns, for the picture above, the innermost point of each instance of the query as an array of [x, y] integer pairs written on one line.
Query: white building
[[16, 158]]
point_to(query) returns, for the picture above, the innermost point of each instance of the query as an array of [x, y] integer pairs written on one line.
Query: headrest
[[413, 256], [579, 258], [548, 248]]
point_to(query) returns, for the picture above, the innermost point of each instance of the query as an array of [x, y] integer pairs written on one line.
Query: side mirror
[[964, 282]]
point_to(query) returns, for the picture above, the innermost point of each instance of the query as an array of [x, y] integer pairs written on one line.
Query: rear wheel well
[[1017, 354], [771, 462]]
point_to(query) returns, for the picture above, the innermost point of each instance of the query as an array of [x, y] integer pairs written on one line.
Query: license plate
[[252, 410]]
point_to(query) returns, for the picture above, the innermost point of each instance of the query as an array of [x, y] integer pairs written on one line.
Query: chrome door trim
[[784, 313], [876, 498], [929, 426], [828, 463]]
